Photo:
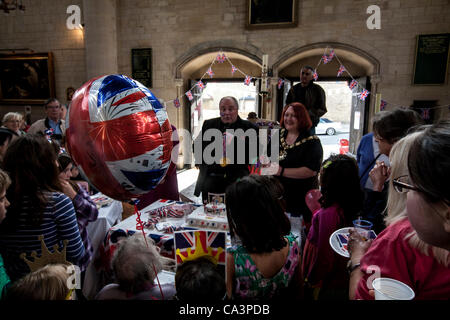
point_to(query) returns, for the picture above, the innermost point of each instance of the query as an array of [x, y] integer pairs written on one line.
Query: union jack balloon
[[119, 135]]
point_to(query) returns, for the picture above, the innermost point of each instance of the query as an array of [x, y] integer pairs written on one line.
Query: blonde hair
[[396, 204], [48, 283], [11, 115], [5, 181]]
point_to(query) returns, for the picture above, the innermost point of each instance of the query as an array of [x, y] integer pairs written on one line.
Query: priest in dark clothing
[[311, 95], [216, 177]]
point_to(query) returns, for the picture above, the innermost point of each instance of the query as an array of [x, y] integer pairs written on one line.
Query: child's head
[[428, 197], [255, 215], [48, 283], [4, 184], [134, 264], [339, 184], [199, 280], [65, 166]]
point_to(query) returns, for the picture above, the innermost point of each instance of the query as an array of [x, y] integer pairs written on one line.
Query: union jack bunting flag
[[200, 84], [425, 113], [341, 70], [383, 105], [196, 243], [247, 80], [233, 69], [363, 95], [210, 72], [353, 84], [315, 75], [189, 95], [325, 59], [280, 83], [221, 58], [331, 55], [176, 103]]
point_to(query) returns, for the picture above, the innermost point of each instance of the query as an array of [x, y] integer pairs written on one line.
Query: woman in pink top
[[398, 252]]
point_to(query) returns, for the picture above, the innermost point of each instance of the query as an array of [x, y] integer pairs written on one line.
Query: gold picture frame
[[26, 78], [265, 14]]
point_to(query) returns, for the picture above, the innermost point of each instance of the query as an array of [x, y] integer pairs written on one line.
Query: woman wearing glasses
[[13, 122], [398, 252]]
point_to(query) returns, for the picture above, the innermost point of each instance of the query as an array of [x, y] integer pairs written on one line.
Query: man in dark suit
[[216, 177]]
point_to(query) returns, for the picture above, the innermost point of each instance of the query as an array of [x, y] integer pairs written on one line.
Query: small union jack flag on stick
[[315, 75], [176, 103], [280, 83], [363, 95], [201, 85], [383, 105], [247, 80], [189, 95], [341, 70], [353, 84], [233, 69]]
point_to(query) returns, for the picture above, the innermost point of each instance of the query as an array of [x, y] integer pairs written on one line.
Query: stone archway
[[360, 64]]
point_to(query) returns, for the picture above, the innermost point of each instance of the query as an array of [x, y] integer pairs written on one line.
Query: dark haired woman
[[38, 207], [342, 200], [300, 158], [85, 208], [266, 265]]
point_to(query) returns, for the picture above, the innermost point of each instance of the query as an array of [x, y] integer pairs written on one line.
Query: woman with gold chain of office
[[299, 159]]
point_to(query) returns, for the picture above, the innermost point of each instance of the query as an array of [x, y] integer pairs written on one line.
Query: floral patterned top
[[251, 284]]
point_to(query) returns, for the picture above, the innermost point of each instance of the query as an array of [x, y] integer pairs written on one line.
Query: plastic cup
[[391, 289], [363, 227]]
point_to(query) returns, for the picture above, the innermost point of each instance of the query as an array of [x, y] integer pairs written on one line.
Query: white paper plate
[[334, 242]]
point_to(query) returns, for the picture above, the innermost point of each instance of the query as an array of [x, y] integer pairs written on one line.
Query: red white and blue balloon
[[119, 135]]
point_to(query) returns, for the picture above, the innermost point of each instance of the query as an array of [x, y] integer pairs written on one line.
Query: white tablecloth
[[107, 217]]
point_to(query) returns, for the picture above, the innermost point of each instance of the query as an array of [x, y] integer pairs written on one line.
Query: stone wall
[[177, 28]]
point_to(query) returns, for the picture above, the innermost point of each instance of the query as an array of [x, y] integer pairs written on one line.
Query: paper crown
[[46, 256], [200, 251]]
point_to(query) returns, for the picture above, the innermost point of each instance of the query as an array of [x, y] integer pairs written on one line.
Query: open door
[[359, 113]]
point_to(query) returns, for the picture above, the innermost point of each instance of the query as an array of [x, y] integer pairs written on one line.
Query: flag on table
[[425, 113], [247, 80], [176, 103], [383, 105], [353, 84], [189, 95], [315, 75], [363, 95], [341, 70], [280, 83], [190, 245], [210, 72], [233, 69], [201, 85]]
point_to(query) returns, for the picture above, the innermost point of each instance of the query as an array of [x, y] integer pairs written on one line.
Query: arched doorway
[[362, 66], [193, 65]]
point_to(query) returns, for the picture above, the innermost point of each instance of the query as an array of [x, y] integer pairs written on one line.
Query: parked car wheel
[[331, 131]]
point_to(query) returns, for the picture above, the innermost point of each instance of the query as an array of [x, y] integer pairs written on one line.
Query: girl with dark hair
[[342, 200], [267, 263], [299, 160], [85, 208], [38, 207]]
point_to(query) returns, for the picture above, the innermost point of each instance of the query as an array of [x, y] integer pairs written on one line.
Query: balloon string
[[140, 226]]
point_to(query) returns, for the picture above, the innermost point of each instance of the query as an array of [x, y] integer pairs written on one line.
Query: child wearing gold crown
[[267, 263]]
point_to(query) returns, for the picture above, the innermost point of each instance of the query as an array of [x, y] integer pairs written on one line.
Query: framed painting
[[26, 78], [141, 64], [264, 14]]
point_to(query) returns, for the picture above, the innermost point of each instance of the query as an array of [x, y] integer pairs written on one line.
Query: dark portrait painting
[[271, 14], [26, 78]]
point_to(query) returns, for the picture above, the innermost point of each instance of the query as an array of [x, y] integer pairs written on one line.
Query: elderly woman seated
[[135, 266]]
